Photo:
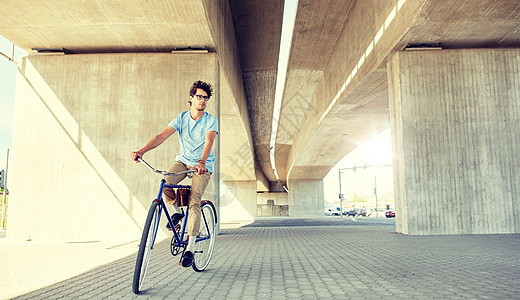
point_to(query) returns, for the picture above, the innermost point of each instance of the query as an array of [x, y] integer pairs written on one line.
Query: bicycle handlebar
[[165, 172]]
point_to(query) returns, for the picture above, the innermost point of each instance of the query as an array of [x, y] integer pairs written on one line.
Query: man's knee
[[169, 195]]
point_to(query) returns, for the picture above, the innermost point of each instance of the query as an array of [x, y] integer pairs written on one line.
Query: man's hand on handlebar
[[200, 168], [135, 155]]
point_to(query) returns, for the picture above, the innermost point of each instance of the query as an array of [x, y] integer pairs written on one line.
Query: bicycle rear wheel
[[146, 246], [205, 240]]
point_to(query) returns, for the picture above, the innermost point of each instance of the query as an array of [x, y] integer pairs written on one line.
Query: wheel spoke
[[150, 229], [206, 239]]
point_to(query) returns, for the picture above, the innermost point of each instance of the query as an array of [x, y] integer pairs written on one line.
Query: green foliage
[[359, 199], [385, 198]]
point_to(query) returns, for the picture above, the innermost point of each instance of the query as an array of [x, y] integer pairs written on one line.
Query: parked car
[[390, 214], [336, 211], [352, 213], [357, 212]]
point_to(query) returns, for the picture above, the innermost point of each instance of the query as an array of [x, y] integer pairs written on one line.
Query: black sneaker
[[187, 259], [176, 217]]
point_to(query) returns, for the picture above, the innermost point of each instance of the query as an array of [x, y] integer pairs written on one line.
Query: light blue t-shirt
[[192, 134]]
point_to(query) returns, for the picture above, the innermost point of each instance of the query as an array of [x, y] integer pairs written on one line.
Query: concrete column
[[305, 198], [456, 140], [237, 201], [77, 119]]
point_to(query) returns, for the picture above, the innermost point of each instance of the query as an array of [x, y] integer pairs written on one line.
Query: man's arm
[[208, 144], [153, 143]]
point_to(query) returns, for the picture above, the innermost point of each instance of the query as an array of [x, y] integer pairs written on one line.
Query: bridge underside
[[337, 94]]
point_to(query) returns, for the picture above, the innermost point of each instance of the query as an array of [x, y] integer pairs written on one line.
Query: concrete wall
[[306, 198], [238, 200], [77, 118], [456, 141], [272, 210], [272, 204], [279, 198]]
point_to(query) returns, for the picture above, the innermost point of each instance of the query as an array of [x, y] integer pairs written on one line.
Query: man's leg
[[169, 193], [198, 186]]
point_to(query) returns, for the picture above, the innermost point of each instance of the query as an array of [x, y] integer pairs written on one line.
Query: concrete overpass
[[453, 111]]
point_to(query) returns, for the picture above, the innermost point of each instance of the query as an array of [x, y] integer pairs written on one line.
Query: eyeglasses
[[201, 97]]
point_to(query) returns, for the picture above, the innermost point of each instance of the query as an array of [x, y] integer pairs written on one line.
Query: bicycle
[[203, 245]]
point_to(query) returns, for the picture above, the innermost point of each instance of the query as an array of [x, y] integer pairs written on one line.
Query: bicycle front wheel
[[205, 240], [145, 246]]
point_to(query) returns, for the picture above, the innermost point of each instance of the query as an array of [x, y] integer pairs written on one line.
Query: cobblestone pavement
[[325, 259]]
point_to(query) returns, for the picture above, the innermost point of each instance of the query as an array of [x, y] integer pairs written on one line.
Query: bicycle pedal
[[180, 260]]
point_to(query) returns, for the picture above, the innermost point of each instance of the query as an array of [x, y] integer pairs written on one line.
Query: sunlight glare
[[378, 150]]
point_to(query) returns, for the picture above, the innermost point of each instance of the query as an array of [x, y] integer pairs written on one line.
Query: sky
[[7, 94], [377, 151], [7, 88]]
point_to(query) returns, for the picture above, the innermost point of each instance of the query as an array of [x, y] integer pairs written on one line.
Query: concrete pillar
[[237, 201], [306, 198], [456, 140], [77, 119]]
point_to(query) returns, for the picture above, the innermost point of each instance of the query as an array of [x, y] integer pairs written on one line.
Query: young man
[[197, 130]]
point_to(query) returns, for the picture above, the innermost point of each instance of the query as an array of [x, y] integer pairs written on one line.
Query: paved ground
[[325, 258], [29, 266]]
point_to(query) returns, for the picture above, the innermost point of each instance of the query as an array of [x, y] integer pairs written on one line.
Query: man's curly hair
[[206, 87]]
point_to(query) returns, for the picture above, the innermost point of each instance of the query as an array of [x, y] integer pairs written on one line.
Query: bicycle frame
[[178, 239], [162, 208]]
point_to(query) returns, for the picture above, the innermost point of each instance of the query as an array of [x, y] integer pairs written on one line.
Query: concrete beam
[[237, 162], [106, 25], [258, 25], [349, 104]]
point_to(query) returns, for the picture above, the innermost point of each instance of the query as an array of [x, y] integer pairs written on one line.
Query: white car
[[332, 211]]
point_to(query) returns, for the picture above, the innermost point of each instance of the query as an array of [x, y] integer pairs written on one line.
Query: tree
[[357, 198]]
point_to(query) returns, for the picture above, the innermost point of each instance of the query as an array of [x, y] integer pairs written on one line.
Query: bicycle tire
[[146, 247], [204, 248]]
